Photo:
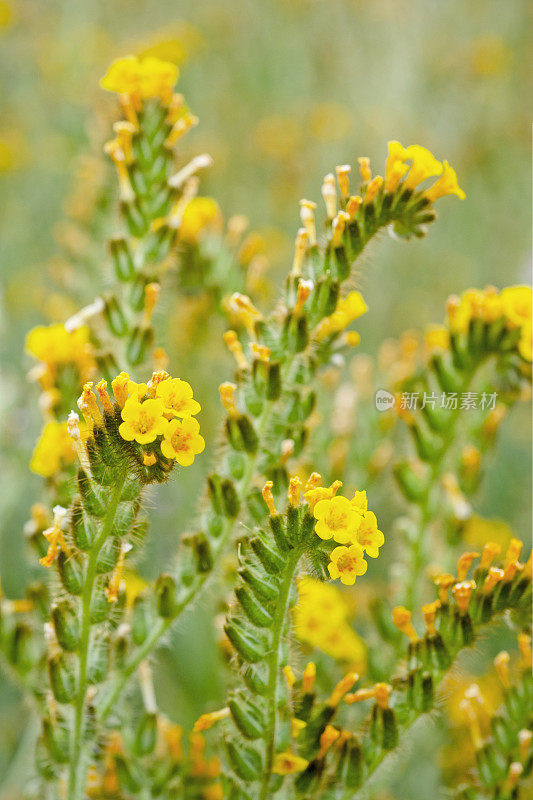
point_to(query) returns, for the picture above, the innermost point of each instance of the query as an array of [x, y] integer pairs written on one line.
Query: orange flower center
[[180, 441], [144, 422], [346, 563], [336, 520]]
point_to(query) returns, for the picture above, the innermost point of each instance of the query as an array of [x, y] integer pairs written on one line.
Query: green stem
[[273, 663], [76, 781]]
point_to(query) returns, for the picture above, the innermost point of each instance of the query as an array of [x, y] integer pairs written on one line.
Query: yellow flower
[[348, 310], [446, 184], [177, 397], [336, 518], [368, 535], [123, 76], [316, 493], [54, 449], [424, 165], [150, 77], [54, 345], [143, 422], [517, 304], [157, 78], [395, 168], [347, 563], [201, 213], [287, 763], [359, 502], [436, 338], [320, 619], [182, 441]]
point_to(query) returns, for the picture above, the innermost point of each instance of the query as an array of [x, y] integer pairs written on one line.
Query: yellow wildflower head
[[347, 563], [446, 184], [177, 397], [123, 76], [424, 165], [368, 535], [201, 214], [287, 763], [182, 441], [55, 346], [143, 422], [146, 78], [517, 304], [395, 167], [337, 518], [53, 450]]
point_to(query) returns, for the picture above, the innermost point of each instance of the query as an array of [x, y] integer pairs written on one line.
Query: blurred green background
[[285, 90]]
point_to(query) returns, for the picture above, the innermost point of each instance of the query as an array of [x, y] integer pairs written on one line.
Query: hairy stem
[[273, 662], [76, 772]]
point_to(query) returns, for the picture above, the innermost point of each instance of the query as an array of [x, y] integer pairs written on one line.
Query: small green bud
[[248, 647], [114, 316], [353, 776], [135, 220], [90, 497], [254, 610], [21, 648], [248, 434], [247, 717], [230, 498], [165, 591], [269, 558], [70, 571], [261, 585], [66, 625], [245, 761], [62, 679], [273, 390], [256, 678], [236, 465], [99, 658], [108, 555], [412, 486], [55, 737], [99, 603], [126, 775], [277, 526]]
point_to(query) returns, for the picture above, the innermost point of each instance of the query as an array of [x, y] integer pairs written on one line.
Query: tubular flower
[[177, 397], [359, 501], [143, 422], [182, 441], [446, 184], [287, 763], [368, 535], [336, 518], [316, 493], [424, 165], [395, 166], [55, 348], [347, 563]]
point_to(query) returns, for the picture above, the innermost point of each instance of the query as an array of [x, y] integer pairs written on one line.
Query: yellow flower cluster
[[55, 347], [423, 165], [351, 524], [54, 449], [321, 620], [165, 408], [348, 310], [513, 304], [141, 79]]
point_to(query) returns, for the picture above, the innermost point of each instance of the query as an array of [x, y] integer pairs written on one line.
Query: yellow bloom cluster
[[163, 407], [347, 311], [141, 79], [423, 165], [351, 524], [513, 304], [55, 347], [54, 449], [321, 620]]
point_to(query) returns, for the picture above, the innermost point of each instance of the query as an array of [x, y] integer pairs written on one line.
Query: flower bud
[[248, 647], [62, 679], [247, 717], [66, 625], [165, 591]]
